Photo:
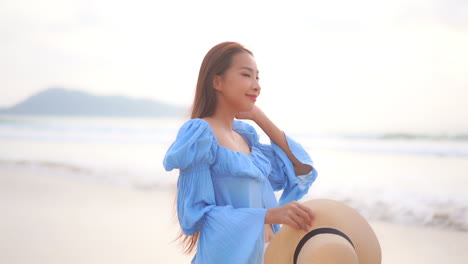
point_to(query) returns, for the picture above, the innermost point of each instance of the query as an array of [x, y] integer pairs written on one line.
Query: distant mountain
[[58, 101]]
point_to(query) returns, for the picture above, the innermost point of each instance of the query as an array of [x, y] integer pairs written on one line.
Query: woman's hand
[[253, 114], [293, 214], [268, 233], [302, 169]]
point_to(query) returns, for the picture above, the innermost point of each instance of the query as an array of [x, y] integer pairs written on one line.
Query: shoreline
[[54, 219]]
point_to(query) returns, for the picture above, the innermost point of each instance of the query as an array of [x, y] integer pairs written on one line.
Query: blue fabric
[[224, 194]]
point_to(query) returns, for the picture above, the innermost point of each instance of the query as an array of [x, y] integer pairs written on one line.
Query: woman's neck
[[223, 118]]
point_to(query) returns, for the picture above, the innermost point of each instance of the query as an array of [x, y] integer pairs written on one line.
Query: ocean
[[416, 179]]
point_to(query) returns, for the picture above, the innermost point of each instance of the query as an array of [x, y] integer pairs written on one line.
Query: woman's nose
[[257, 87]]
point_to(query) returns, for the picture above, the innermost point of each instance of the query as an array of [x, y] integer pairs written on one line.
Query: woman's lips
[[252, 96]]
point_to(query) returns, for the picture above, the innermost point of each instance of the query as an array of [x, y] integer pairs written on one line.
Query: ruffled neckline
[[215, 139]]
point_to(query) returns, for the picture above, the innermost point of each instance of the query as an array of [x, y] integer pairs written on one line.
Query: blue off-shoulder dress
[[224, 194]]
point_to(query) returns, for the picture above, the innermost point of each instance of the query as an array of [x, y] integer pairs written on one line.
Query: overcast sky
[[398, 65]]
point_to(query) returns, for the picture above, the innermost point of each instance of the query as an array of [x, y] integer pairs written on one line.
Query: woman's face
[[238, 87]]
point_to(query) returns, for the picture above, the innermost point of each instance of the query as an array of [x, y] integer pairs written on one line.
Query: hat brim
[[328, 214]]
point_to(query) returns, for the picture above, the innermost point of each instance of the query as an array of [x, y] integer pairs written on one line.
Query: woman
[[225, 203]]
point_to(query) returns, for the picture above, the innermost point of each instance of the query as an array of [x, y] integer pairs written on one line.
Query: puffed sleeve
[[224, 230], [283, 176]]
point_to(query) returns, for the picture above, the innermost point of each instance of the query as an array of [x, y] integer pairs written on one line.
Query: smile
[[252, 97]]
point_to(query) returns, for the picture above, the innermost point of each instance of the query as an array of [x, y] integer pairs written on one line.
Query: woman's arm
[[293, 214], [277, 136]]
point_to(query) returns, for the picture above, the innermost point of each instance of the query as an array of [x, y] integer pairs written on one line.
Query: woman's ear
[[218, 82]]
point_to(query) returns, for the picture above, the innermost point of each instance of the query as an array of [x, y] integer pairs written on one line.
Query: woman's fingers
[[268, 233], [294, 214], [300, 215], [306, 213], [298, 222]]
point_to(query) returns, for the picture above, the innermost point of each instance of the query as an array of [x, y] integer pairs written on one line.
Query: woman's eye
[[246, 75]]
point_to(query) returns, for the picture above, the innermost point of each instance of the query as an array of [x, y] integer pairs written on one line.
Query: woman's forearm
[[277, 136]]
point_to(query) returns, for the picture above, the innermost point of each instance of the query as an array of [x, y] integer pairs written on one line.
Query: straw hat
[[339, 235]]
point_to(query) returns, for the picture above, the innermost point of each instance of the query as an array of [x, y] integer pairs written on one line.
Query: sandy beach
[[54, 219]]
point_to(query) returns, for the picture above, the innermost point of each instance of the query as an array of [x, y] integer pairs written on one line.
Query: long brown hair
[[216, 62]]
